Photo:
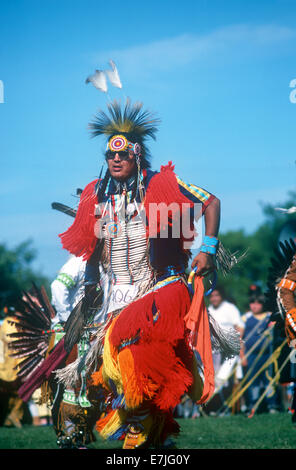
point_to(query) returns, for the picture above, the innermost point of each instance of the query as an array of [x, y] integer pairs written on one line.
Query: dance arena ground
[[231, 432]]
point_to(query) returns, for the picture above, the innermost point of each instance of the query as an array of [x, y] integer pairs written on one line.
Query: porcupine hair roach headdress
[[131, 121]]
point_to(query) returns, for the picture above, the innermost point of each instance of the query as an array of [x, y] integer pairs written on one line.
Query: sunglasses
[[123, 155]]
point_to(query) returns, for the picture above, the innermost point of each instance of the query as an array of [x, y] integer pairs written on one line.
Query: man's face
[[215, 299], [122, 169]]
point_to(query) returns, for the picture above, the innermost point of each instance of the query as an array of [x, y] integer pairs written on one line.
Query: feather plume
[[113, 75], [79, 316], [99, 81], [63, 208], [74, 325], [136, 124], [31, 341], [28, 366], [291, 210]]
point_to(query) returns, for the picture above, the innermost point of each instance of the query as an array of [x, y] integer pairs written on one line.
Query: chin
[[118, 176]]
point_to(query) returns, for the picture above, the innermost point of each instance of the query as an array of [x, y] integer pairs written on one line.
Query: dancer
[[150, 330]]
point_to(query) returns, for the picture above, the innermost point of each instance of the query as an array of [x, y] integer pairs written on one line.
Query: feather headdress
[[136, 124]]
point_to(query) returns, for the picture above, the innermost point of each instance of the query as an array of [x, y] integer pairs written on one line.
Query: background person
[[11, 406], [227, 315], [258, 347]]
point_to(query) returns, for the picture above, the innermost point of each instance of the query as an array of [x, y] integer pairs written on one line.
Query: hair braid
[[103, 185]]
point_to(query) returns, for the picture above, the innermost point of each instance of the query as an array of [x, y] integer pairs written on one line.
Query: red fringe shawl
[[155, 367], [157, 354], [80, 238], [164, 189]]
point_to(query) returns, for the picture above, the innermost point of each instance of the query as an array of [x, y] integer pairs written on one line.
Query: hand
[[204, 263]]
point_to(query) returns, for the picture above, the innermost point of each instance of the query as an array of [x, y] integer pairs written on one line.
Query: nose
[[117, 157]]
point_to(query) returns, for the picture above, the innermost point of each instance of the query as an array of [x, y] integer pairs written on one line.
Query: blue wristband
[[211, 250], [210, 241]]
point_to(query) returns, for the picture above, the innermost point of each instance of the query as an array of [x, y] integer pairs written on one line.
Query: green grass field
[[232, 432]]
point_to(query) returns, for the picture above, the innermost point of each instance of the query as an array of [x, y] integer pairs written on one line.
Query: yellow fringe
[[119, 367], [50, 345], [46, 393], [110, 368], [117, 419]]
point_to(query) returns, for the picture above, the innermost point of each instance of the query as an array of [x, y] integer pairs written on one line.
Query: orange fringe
[[132, 394], [97, 378], [101, 423], [198, 323]]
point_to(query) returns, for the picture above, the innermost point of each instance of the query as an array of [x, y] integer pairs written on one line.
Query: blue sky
[[216, 73]]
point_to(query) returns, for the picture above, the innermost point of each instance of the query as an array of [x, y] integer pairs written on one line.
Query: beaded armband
[[287, 284], [66, 279], [209, 245]]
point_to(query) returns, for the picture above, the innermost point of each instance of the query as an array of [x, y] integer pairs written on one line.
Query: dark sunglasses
[[123, 155]]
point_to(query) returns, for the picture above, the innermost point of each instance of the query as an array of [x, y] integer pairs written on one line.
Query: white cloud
[[167, 54]]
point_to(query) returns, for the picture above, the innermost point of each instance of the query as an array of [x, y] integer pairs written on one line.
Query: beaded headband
[[119, 143]]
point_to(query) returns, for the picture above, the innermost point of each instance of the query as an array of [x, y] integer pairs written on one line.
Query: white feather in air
[[291, 210], [98, 80], [113, 75]]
